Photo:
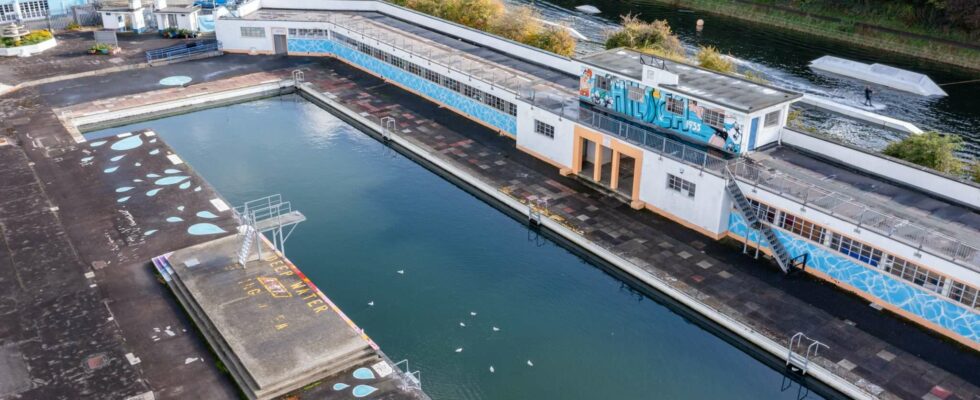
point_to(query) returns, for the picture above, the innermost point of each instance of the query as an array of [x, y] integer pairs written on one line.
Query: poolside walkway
[[873, 349]]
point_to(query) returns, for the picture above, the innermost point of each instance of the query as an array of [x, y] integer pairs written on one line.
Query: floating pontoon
[[879, 73]]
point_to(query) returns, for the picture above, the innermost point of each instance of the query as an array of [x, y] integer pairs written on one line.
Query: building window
[[450, 83], [714, 118], [636, 93], [544, 129], [473, 93], [856, 249], [414, 69], [7, 12], [763, 211], [680, 185], [253, 32], [34, 9], [772, 119], [802, 227], [914, 273], [431, 75], [967, 295], [675, 105], [601, 82]]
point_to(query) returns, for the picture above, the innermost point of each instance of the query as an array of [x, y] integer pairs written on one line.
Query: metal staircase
[[269, 214], [742, 205]]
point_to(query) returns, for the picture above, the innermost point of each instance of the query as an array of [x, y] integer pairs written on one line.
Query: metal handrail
[[492, 74], [847, 208], [186, 49], [654, 142]]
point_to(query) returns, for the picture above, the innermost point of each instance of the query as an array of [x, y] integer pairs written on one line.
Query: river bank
[[858, 34]]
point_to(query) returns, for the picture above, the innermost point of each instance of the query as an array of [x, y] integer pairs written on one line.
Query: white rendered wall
[[908, 174], [845, 228], [110, 20], [228, 32], [709, 207], [765, 135], [558, 149]]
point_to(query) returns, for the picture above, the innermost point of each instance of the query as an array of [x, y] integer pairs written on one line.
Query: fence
[[846, 208], [654, 142], [182, 51]]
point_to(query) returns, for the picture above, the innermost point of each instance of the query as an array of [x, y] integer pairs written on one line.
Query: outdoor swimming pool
[[437, 276]]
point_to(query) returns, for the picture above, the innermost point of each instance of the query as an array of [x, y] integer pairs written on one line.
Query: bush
[[556, 40], [649, 37], [519, 24], [73, 26], [710, 58], [930, 149], [27, 40], [975, 171]]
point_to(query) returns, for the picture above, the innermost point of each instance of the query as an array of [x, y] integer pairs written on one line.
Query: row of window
[[897, 266], [7, 12], [308, 33], [253, 32], [680, 185], [430, 75], [28, 10]]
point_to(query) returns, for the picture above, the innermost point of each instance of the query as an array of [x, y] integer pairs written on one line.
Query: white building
[[707, 150]]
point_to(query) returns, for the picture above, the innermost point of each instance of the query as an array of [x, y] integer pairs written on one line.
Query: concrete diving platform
[[273, 330]]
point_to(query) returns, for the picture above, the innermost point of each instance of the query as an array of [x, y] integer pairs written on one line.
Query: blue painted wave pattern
[[443, 95], [157, 183], [943, 312]]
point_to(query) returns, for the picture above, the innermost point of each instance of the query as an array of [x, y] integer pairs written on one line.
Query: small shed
[[180, 17], [125, 18]]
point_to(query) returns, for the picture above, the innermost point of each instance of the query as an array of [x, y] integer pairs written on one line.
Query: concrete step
[[212, 335]]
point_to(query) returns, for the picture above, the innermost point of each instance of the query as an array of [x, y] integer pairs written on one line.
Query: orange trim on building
[[895, 309]]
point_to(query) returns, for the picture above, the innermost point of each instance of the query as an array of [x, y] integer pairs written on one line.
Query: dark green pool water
[[373, 213]]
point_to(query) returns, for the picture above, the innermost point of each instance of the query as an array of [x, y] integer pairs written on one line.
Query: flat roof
[[722, 89], [907, 206], [422, 40]]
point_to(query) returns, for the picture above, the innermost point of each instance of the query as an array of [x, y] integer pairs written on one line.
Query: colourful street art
[[684, 116]]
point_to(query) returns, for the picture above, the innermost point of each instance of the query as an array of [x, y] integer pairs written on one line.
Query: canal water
[[782, 57], [457, 287]]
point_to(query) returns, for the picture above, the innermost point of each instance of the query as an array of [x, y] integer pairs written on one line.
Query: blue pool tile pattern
[[931, 307], [475, 109]]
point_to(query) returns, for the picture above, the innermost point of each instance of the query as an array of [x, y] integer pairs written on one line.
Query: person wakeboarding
[[867, 95]]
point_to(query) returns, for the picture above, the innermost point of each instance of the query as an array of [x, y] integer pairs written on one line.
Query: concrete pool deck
[[82, 313], [869, 348]]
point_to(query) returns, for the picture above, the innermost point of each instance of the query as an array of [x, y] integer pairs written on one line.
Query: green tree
[[930, 149]]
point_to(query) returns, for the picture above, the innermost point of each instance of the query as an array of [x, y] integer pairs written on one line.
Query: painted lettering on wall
[[666, 110]]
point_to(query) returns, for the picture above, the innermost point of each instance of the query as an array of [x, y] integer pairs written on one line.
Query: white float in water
[[881, 74], [588, 9]]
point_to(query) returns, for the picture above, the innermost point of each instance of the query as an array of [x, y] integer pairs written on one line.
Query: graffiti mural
[[666, 110]]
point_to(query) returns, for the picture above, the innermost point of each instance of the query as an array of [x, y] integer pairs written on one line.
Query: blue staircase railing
[[183, 50]]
